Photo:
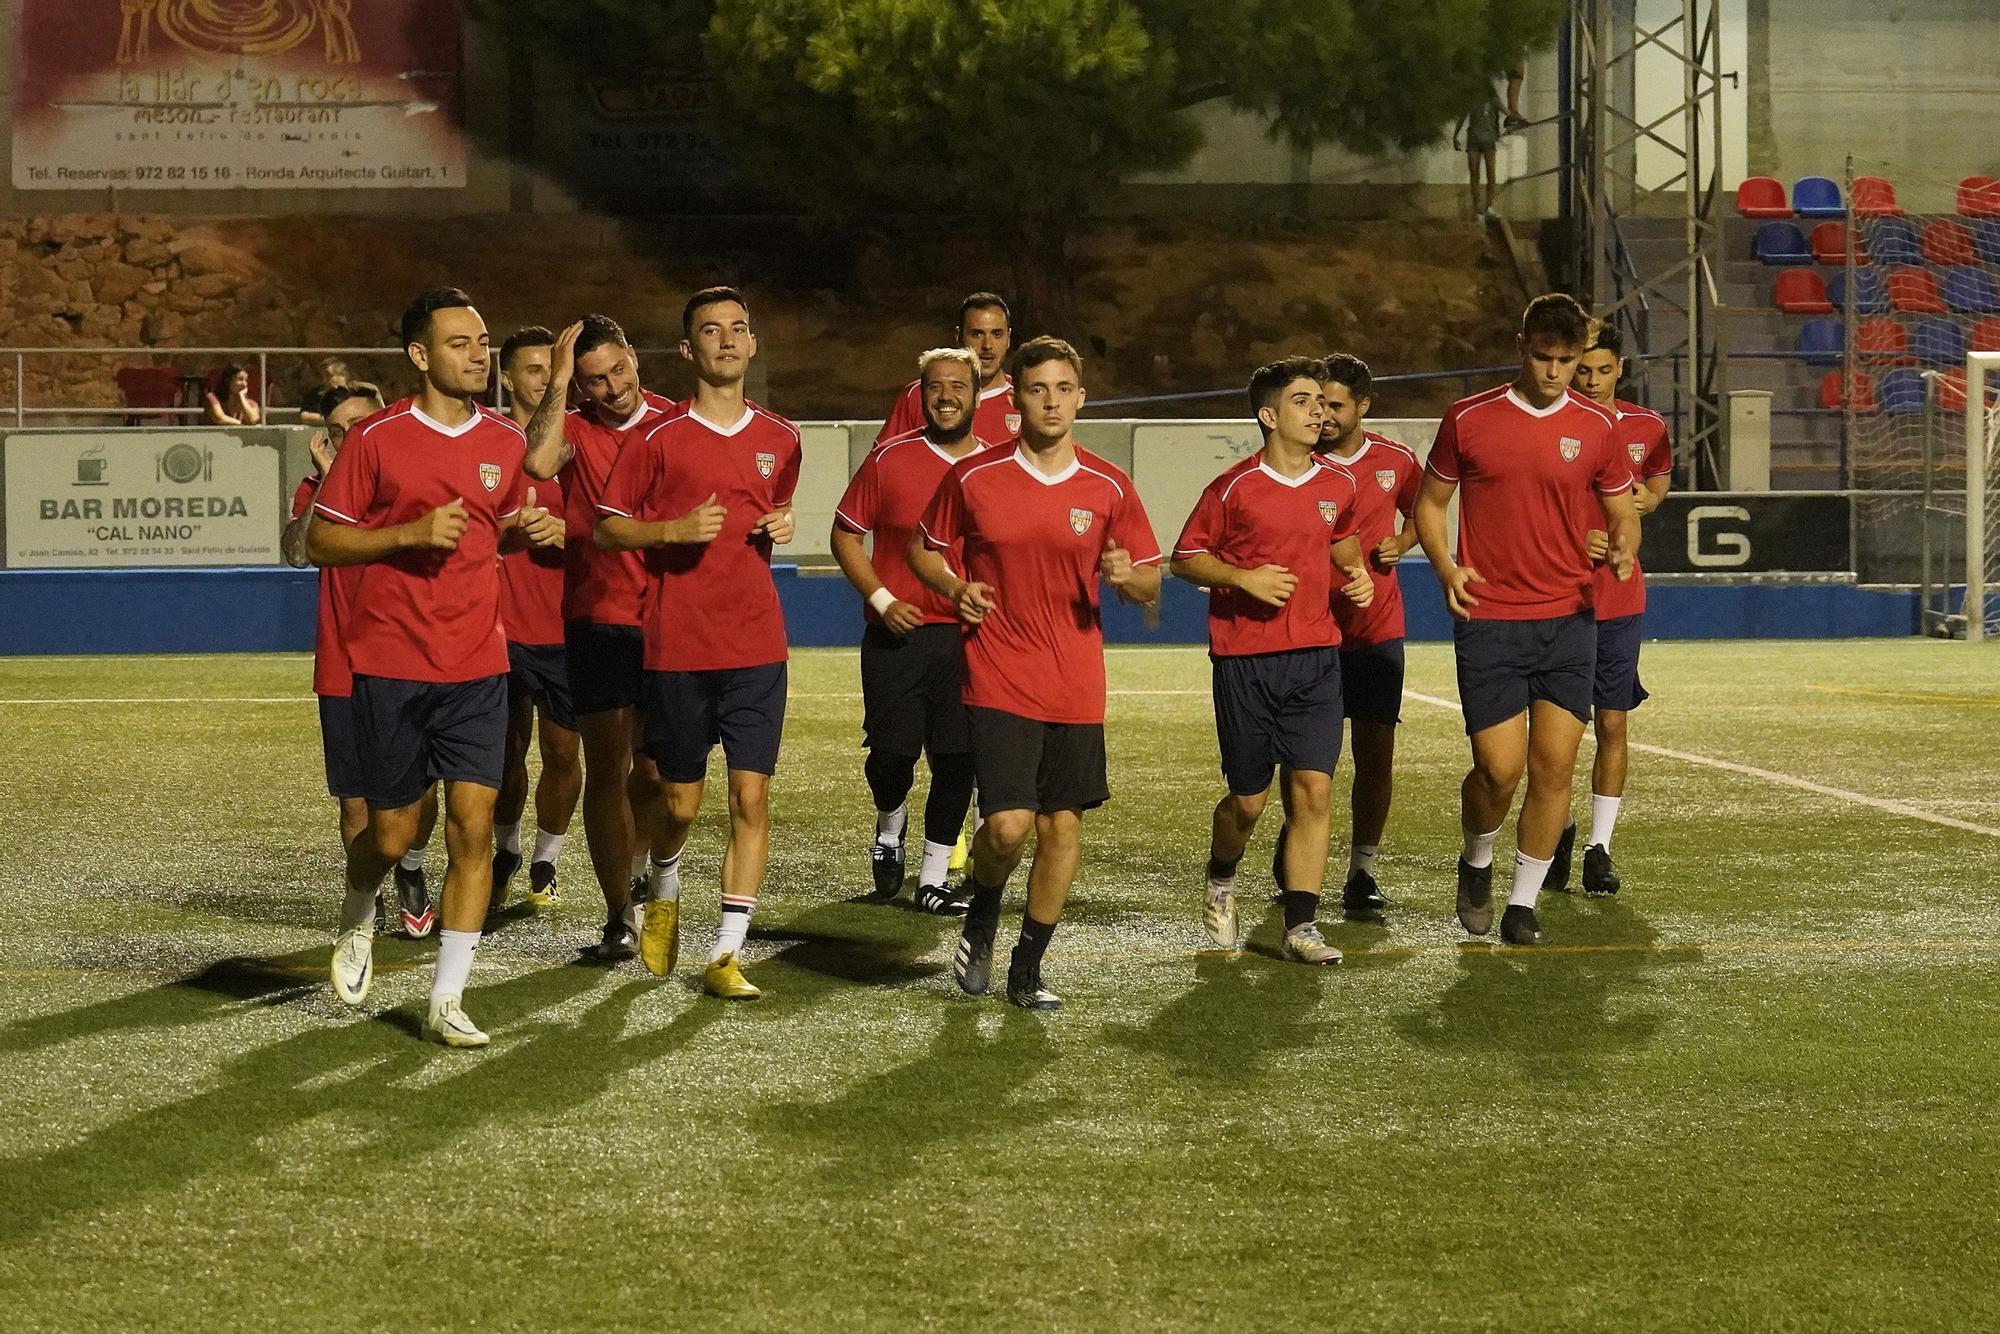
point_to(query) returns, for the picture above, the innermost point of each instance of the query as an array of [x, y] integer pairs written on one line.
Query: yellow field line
[[1975, 701]]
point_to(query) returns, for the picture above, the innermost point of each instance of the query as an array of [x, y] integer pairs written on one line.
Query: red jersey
[[600, 586], [1387, 478], [710, 605], [994, 417], [1036, 540], [531, 580], [1254, 515], [887, 495], [1642, 434], [331, 673], [428, 615], [1526, 477]]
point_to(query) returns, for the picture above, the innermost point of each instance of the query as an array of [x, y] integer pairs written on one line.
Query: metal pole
[[20, 391], [1977, 451]]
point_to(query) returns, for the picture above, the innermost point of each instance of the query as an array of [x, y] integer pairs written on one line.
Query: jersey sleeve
[[1443, 463], [1347, 517], [906, 416], [517, 495], [1613, 476], [633, 477], [1410, 480], [302, 498], [349, 489], [1203, 530], [785, 482], [1659, 459], [859, 503], [1132, 530], [943, 524]]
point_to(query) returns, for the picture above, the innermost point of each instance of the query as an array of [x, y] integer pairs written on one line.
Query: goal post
[[1982, 514]]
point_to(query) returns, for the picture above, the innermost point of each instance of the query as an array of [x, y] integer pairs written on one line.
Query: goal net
[[1982, 505]]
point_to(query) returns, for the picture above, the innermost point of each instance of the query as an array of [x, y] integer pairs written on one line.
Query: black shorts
[[410, 734], [541, 672], [1024, 764], [1504, 665], [606, 666], [1618, 685], [1276, 708], [688, 712], [336, 738], [910, 691], [1371, 682]]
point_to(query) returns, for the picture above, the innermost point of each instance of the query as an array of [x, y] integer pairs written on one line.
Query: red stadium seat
[[1829, 244], [1979, 197], [1948, 242], [149, 387], [1875, 198], [1883, 341], [1985, 336], [1864, 391], [1915, 292], [1760, 197], [1802, 292]]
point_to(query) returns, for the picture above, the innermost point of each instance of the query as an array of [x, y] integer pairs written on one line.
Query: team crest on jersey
[[1637, 449], [1386, 478], [489, 476], [1013, 423], [1328, 510], [766, 464], [1079, 521], [1571, 447]]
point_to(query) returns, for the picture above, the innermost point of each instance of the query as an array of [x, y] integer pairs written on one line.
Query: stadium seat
[[1782, 243], [1883, 341], [1938, 342], [1900, 391], [1894, 241], [1969, 291], [1947, 243], [1986, 240], [1829, 243], [1762, 197], [1875, 198], [1986, 335], [149, 387], [1801, 292], [1914, 292], [1864, 391], [1817, 197], [1820, 342], [1979, 197], [1868, 296]]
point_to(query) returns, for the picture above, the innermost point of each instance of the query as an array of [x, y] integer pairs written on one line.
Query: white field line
[[168, 699], [1772, 776]]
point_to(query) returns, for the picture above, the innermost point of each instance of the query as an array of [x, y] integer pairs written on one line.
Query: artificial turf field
[[1754, 1091]]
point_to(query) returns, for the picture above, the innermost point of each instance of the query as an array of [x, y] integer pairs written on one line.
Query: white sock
[[663, 878], [1221, 888], [1361, 857], [358, 910], [639, 866], [735, 925], [1478, 850], [454, 963], [1528, 877], [413, 860], [507, 837], [889, 825], [936, 864], [548, 846], [1603, 819]]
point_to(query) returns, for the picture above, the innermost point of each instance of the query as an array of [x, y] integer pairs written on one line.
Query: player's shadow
[[1554, 1007], [855, 942], [966, 1086]]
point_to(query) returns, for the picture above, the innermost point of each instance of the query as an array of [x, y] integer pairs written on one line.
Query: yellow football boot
[[660, 936], [725, 980]]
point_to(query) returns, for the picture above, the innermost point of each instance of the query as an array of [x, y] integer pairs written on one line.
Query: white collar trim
[[638, 412], [1006, 387], [1533, 411], [1293, 482], [946, 454], [453, 431], [1046, 479], [735, 429]]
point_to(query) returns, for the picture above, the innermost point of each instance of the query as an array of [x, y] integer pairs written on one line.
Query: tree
[[1024, 110]]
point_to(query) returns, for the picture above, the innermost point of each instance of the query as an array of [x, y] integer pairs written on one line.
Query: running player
[[706, 493], [425, 495], [531, 592], [984, 329], [1036, 524], [912, 666], [333, 678], [1266, 539], [1620, 608], [1529, 456], [601, 603]]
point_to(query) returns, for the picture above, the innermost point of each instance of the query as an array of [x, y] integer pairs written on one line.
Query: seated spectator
[[234, 406], [333, 376]]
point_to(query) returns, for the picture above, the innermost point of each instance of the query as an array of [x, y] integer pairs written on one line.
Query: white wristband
[[881, 600]]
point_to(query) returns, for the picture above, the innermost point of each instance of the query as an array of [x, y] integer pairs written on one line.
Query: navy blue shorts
[[1272, 709], [410, 734], [1618, 685], [910, 691], [606, 665], [541, 672], [1504, 665], [687, 713], [1371, 682], [1025, 764], [336, 738]]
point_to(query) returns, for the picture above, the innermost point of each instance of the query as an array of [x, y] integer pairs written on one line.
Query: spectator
[[333, 376], [1479, 130], [1515, 120], [234, 407]]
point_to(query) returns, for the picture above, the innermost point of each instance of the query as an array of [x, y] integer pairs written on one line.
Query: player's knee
[[750, 802], [1006, 831], [682, 802], [1499, 774], [1311, 795], [1610, 727], [1244, 808], [1058, 828]]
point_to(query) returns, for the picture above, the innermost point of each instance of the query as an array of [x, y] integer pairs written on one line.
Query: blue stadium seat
[[1969, 291], [1869, 299], [1783, 243], [1820, 341], [1986, 240], [1938, 342], [1894, 241], [1899, 391], [1817, 197]]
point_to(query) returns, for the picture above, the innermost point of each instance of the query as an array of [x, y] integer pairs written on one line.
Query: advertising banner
[[1724, 532]]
